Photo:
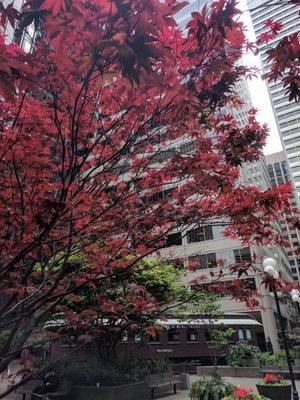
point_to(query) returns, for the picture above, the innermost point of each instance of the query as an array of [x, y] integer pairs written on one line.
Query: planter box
[[283, 392], [251, 362], [131, 391], [241, 372]]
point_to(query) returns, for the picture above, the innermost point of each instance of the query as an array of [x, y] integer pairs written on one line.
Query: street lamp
[[269, 265], [296, 298]]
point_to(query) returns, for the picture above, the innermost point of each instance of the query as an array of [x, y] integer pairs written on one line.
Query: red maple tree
[[91, 123]]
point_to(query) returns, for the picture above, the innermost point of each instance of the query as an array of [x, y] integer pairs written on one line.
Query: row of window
[[294, 159], [209, 260], [288, 115], [292, 262], [191, 336], [292, 141], [158, 196], [259, 16], [278, 173], [193, 236], [293, 150], [286, 107], [293, 122], [167, 154], [296, 168]]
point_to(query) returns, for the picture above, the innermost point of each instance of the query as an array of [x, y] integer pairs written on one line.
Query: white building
[[279, 174], [287, 113], [203, 246], [27, 36]]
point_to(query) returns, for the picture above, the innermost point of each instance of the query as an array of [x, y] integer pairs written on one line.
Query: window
[[241, 255], [250, 283], [154, 338], [192, 335], [187, 148], [162, 156], [244, 334], [241, 334], [271, 171], [200, 234], [248, 334], [124, 337], [207, 335], [203, 261], [174, 239], [173, 335], [137, 338], [69, 341], [158, 196]]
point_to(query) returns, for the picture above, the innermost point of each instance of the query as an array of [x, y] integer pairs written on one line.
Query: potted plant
[[244, 394], [274, 387]]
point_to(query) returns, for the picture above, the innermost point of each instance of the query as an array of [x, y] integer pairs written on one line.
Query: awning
[[203, 322]]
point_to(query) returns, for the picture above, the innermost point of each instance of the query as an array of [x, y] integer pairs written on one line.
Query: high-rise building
[[204, 246], [287, 112], [279, 173], [26, 38]]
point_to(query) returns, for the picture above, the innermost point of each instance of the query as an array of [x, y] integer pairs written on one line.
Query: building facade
[[287, 113], [279, 173], [206, 245], [24, 39]]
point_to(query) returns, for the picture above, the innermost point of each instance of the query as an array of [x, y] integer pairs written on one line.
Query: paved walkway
[[245, 382], [182, 394], [13, 396]]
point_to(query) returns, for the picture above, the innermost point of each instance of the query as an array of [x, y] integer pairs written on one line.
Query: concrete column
[[268, 315], [270, 329]]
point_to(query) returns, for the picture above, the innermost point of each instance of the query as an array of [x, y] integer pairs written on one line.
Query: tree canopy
[[91, 124]]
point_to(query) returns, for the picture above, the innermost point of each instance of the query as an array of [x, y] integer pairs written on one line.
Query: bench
[[27, 391], [284, 371], [155, 381], [63, 389]]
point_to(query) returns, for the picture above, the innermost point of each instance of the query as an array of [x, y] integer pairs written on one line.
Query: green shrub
[[122, 369], [90, 373], [265, 358], [278, 358], [211, 388], [296, 351], [125, 362], [239, 352], [152, 366], [253, 397]]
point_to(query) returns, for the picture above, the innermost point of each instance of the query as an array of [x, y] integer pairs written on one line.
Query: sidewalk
[[12, 396]]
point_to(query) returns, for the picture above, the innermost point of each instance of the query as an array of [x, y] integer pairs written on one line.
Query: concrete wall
[[245, 372], [132, 391]]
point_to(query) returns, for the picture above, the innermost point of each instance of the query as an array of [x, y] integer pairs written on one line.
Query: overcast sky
[[259, 91]]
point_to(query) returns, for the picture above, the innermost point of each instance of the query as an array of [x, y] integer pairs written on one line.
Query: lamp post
[[296, 298], [269, 265]]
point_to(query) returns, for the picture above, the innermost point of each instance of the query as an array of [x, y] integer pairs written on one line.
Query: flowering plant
[[244, 394], [273, 379]]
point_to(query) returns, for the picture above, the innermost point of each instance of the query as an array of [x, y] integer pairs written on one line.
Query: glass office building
[[287, 113]]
